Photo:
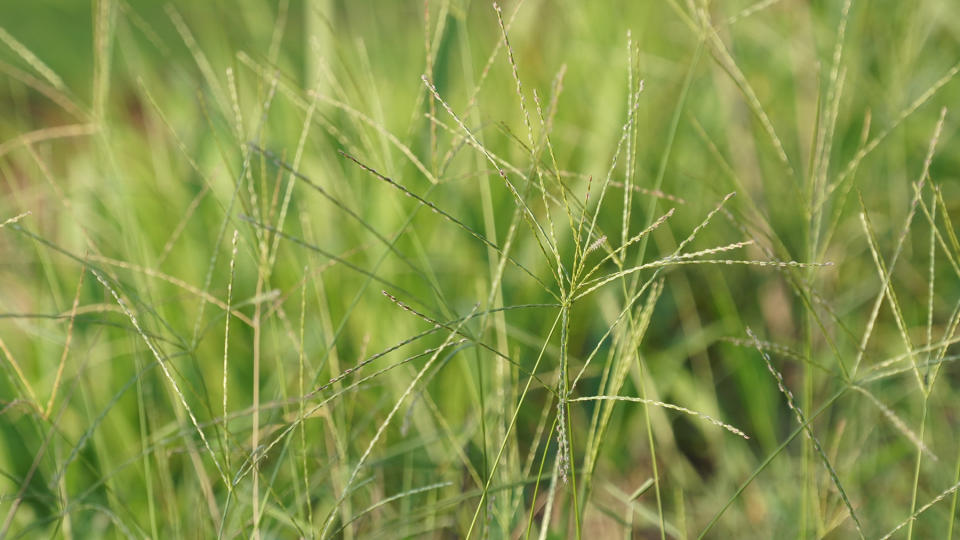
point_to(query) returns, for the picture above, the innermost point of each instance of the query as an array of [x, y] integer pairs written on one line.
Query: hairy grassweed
[[363, 269]]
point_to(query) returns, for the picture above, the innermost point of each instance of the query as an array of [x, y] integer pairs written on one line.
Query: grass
[[678, 269]]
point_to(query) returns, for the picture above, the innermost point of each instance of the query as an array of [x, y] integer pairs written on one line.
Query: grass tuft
[[479, 269]]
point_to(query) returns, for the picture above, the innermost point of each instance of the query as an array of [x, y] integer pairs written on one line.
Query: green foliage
[[388, 269]]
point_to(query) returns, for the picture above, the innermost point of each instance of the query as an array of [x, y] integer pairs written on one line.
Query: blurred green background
[[131, 133]]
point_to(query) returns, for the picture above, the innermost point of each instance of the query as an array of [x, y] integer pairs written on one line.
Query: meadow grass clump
[[460, 269]]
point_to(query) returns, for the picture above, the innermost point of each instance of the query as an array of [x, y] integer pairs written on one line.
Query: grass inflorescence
[[678, 269]]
